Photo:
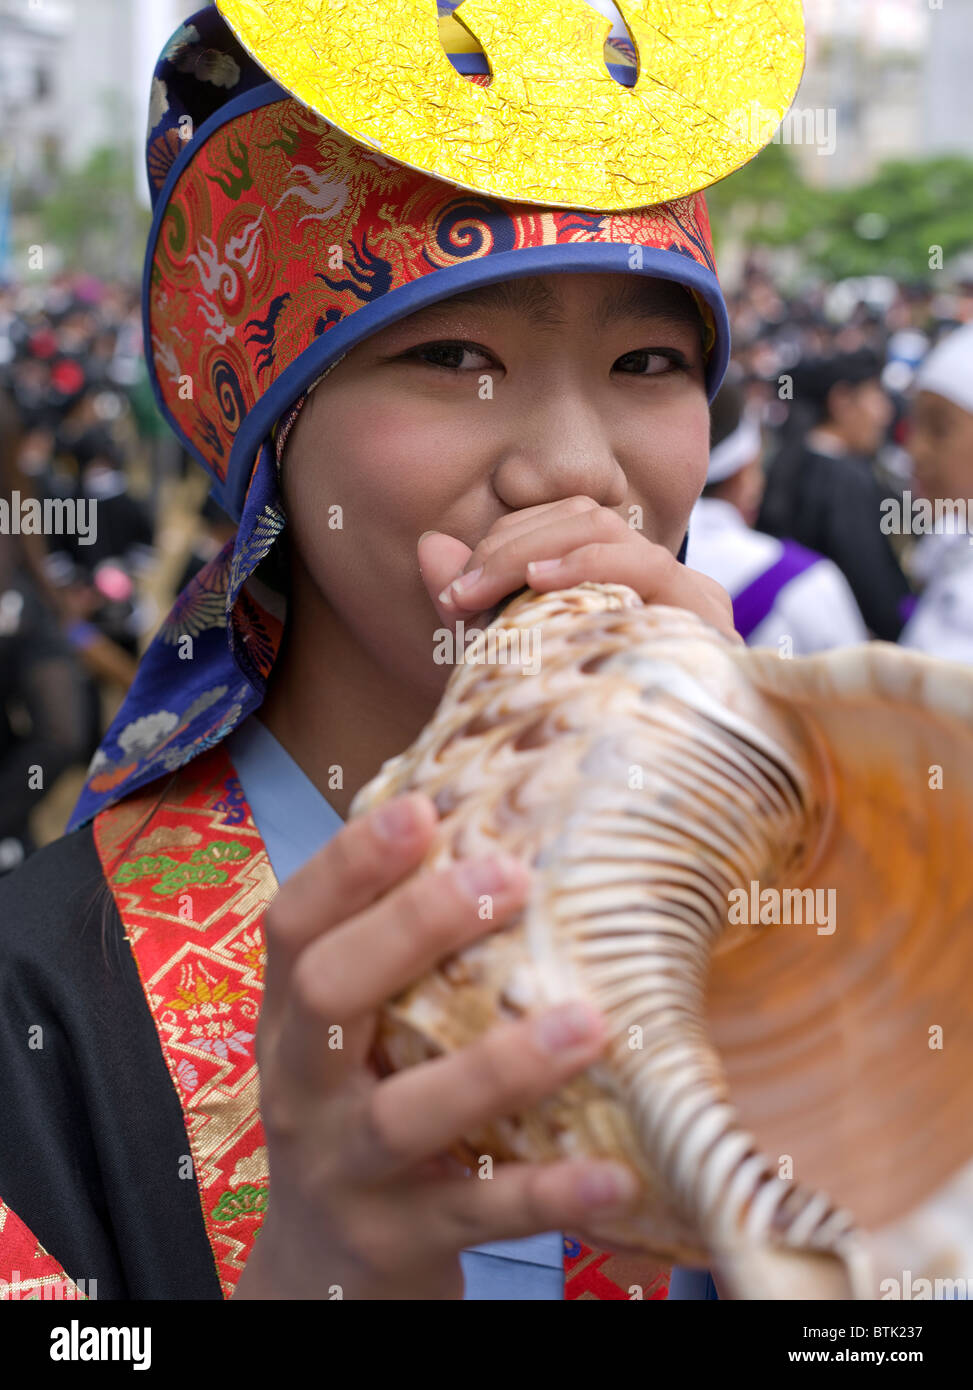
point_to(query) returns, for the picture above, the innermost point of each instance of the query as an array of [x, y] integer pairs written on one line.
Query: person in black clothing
[[822, 490], [42, 726], [42, 729]]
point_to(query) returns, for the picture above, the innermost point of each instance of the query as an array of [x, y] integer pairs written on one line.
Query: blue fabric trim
[[692, 1285], [487, 1279], [163, 682], [564, 258], [476, 63], [546, 1250]]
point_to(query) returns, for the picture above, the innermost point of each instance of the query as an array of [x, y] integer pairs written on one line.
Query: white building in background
[[865, 70], [898, 73], [32, 41], [98, 84], [155, 22], [76, 74], [947, 97]]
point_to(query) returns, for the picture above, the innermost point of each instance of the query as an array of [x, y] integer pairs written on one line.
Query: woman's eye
[[643, 362], [451, 355]]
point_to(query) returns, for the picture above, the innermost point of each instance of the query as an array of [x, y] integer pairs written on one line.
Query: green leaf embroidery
[[240, 1201]]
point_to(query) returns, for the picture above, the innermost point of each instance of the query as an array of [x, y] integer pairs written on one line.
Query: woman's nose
[[563, 448]]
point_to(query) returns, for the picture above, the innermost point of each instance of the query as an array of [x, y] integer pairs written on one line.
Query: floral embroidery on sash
[[192, 901]]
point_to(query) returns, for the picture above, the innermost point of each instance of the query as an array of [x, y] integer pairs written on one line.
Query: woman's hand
[[557, 545], [362, 1196]]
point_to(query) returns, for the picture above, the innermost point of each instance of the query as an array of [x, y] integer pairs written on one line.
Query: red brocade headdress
[[280, 239]]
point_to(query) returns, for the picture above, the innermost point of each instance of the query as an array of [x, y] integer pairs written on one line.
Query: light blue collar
[[292, 816]]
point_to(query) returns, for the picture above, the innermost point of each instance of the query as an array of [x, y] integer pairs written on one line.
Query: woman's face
[[941, 445], [522, 393], [862, 414]]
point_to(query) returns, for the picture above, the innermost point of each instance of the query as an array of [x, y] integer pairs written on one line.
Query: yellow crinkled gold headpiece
[[554, 126]]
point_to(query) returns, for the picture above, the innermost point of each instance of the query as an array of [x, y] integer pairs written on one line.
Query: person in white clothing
[[784, 595], [941, 445]]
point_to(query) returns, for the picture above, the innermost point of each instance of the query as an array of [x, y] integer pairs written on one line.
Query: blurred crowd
[[844, 404], [839, 499], [78, 603]]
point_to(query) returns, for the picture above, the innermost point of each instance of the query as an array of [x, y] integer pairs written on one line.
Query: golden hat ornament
[[553, 127]]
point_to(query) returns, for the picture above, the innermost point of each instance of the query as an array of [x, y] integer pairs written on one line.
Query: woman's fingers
[[420, 1111], [522, 1199], [657, 576], [364, 860], [443, 559], [528, 519], [594, 546], [504, 568], [345, 975]]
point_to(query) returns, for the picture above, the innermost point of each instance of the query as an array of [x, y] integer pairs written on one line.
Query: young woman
[[403, 373]]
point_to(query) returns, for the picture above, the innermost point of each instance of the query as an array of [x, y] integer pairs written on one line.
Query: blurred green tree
[[889, 225], [93, 218]]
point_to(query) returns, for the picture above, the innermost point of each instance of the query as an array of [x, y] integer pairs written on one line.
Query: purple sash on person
[[752, 604]]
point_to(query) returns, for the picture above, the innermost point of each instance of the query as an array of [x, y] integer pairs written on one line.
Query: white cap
[[948, 370], [735, 451]]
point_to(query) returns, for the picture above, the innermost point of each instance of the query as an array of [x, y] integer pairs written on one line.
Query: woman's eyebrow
[[541, 307], [644, 301]]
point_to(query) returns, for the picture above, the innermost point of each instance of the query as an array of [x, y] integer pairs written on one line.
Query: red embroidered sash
[[191, 890], [192, 879], [27, 1271]]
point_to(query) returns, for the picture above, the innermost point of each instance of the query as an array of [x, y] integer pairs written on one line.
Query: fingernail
[[566, 1026], [425, 534], [486, 875], [466, 581], [395, 821], [542, 567], [612, 1183]]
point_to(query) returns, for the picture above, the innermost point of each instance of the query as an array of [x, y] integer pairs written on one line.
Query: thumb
[[441, 560]]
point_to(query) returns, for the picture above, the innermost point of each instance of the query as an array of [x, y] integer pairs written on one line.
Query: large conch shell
[[795, 1095]]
